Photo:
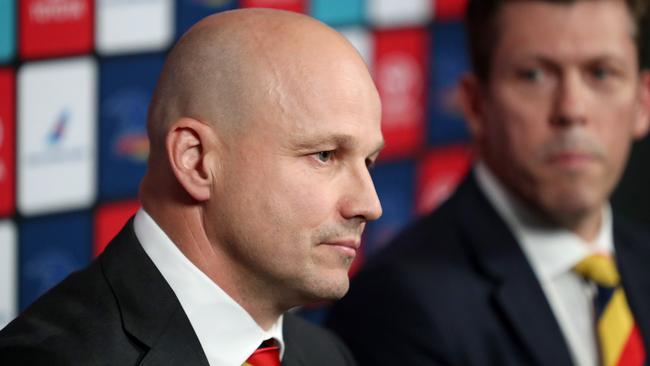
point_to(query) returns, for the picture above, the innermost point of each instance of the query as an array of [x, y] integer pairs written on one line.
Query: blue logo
[[128, 110], [126, 84], [56, 134]]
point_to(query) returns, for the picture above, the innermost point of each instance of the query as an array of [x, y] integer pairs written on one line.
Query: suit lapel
[[172, 347], [517, 293], [293, 357], [633, 257], [293, 354], [149, 308]]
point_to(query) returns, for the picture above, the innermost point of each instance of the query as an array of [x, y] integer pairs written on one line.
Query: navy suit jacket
[[120, 311], [456, 289]]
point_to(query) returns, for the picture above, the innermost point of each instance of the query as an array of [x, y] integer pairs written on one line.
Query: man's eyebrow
[[609, 57], [343, 140], [314, 141]]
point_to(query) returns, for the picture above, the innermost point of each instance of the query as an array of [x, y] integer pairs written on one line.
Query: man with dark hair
[[262, 127], [526, 264]]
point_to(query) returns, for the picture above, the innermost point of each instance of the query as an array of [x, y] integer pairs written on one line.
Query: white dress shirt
[[227, 333], [552, 253]]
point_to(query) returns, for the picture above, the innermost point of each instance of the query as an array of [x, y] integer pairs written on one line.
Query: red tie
[[267, 354]]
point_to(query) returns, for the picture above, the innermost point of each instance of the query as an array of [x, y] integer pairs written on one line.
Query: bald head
[[231, 66], [262, 126]]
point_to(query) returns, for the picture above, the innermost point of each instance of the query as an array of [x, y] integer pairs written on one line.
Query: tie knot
[[268, 354], [600, 269]]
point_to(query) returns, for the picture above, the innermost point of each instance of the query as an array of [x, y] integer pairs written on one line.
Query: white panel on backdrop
[[57, 142], [8, 272], [392, 13], [133, 25], [362, 40]]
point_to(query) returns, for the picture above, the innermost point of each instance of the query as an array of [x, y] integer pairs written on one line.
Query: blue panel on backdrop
[[395, 186], [126, 85], [449, 62], [50, 248], [7, 30], [338, 12], [189, 12]]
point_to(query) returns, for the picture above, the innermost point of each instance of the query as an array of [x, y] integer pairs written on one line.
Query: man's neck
[[586, 225]]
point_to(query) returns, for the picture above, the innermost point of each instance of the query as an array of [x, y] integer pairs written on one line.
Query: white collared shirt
[[227, 333], [552, 253]]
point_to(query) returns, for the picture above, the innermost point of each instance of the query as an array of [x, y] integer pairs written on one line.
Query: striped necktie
[[268, 354], [619, 337]]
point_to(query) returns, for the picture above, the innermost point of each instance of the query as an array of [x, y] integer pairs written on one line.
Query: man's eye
[[531, 74], [601, 73], [324, 156]]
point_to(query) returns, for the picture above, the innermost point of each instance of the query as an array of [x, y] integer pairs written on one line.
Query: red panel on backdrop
[[291, 5], [439, 174], [7, 138], [401, 75], [55, 27], [449, 9], [109, 219]]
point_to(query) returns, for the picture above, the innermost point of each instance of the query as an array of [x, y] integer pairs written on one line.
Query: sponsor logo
[[56, 152], [56, 134], [56, 146], [128, 110], [401, 81], [57, 11]]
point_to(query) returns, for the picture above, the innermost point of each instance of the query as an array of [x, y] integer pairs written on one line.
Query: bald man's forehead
[[234, 66]]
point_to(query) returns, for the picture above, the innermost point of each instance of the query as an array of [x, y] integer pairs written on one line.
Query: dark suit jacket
[[456, 289], [120, 311]]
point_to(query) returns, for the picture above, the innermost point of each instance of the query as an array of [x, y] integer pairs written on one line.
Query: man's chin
[[329, 290]]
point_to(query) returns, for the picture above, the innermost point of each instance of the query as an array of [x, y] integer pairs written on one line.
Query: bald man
[[262, 128]]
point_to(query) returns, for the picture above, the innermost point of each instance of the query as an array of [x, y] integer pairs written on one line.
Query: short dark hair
[[483, 33]]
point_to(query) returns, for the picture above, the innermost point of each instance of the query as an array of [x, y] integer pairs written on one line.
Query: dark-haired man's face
[[564, 101]]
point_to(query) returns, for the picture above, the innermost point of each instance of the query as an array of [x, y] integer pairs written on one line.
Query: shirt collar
[[227, 333], [551, 250]]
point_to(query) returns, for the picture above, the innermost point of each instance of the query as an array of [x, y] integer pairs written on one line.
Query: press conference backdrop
[[75, 80]]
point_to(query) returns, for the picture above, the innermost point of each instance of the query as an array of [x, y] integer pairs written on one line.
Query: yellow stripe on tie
[[600, 269], [614, 327], [619, 343]]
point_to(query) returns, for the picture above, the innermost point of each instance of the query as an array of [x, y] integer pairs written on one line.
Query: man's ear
[[471, 101], [188, 142], [642, 122]]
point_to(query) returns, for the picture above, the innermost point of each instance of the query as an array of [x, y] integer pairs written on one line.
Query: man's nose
[[361, 198], [571, 101]]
